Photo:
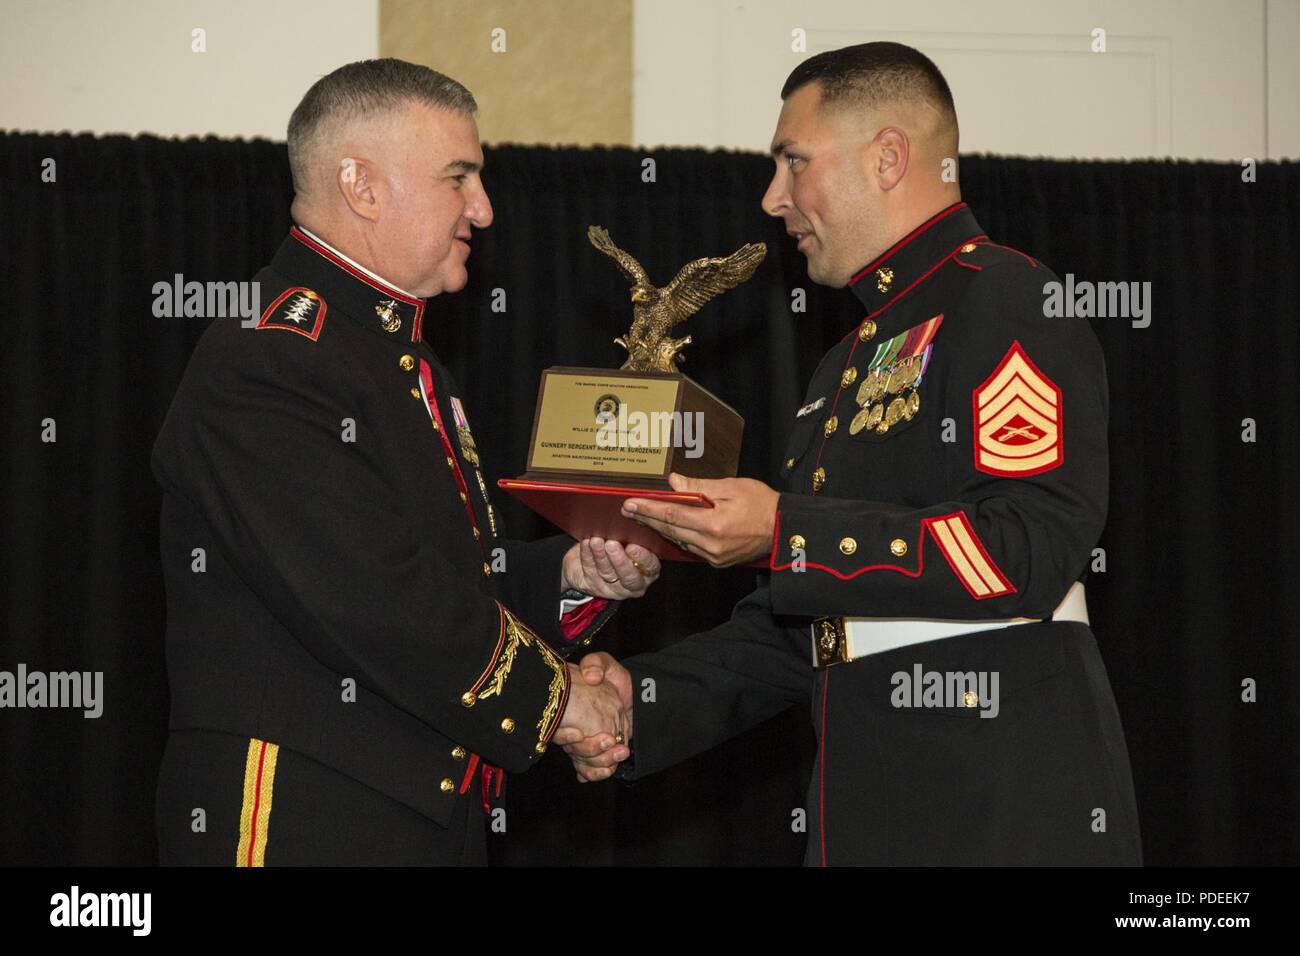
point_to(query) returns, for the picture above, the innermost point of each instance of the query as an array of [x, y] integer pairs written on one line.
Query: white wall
[[1196, 79], [126, 65], [1201, 79]]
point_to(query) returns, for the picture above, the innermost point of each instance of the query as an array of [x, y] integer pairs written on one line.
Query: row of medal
[[470, 451], [878, 411]]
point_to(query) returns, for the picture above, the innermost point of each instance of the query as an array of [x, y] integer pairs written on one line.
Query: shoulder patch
[[1016, 415], [982, 254], [296, 309]]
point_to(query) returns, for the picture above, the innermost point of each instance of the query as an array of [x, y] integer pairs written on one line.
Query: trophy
[[601, 436]]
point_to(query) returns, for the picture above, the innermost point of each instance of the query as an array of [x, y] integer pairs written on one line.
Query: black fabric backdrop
[[1199, 591]]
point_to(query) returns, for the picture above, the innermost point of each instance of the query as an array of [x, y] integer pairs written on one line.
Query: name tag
[[810, 407]]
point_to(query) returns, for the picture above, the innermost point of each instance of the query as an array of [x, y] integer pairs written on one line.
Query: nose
[[777, 198], [479, 208]]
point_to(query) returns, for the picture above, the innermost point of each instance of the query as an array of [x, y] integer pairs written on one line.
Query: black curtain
[[1197, 596]]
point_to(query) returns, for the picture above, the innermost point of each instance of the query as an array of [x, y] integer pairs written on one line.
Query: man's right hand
[[595, 756]]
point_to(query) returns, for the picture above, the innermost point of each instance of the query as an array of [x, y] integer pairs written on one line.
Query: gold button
[[540, 747], [463, 499], [819, 479], [406, 362], [436, 426], [468, 698], [797, 542], [415, 393], [867, 331], [451, 462], [789, 463], [832, 423], [447, 786], [970, 699], [849, 377], [899, 547], [486, 570], [458, 753], [848, 545], [969, 247], [508, 726], [475, 530]]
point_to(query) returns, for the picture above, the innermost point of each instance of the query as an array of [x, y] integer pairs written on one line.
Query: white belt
[[836, 640]]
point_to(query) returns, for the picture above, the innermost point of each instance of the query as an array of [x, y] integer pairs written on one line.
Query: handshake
[[596, 728]]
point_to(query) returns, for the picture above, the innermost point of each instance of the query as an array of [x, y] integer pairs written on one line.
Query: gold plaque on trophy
[[616, 426], [602, 435]]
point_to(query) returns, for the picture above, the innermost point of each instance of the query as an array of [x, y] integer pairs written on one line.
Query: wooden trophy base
[[578, 480], [595, 511]]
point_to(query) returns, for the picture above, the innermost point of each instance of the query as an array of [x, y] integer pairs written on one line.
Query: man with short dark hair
[[355, 652], [943, 486]]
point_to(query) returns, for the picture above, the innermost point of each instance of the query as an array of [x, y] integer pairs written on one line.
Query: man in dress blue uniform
[[943, 486], [356, 653]]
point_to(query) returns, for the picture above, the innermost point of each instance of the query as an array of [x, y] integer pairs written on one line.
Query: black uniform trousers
[[1044, 782], [275, 807], [1044, 779]]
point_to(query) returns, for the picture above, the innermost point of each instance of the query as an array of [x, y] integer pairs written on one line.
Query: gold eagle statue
[[655, 311]]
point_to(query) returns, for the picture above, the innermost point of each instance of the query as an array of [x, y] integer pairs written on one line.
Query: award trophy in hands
[[601, 435]]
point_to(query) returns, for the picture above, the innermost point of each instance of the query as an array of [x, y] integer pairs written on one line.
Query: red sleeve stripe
[[967, 556], [496, 653]]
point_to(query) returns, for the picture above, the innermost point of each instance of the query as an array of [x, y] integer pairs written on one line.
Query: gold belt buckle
[[830, 643]]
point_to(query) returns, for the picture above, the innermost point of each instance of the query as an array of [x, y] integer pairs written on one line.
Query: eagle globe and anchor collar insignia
[[351, 290], [908, 262]]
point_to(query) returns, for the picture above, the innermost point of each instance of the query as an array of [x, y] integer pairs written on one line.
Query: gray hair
[[366, 88]]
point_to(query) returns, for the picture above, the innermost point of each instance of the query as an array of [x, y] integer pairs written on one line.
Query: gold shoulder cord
[[517, 634]]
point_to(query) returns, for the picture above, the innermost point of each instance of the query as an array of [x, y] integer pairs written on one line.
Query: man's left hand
[[606, 569], [738, 528]]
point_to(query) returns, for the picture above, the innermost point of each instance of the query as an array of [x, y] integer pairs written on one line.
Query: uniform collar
[[912, 259], [343, 282]]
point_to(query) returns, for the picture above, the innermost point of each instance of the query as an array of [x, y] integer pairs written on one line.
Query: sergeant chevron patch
[[1016, 413], [296, 310]]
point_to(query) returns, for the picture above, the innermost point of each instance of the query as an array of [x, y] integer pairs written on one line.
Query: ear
[[355, 185], [893, 150]]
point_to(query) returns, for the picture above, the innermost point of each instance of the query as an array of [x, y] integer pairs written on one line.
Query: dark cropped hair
[[363, 88], [871, 74]]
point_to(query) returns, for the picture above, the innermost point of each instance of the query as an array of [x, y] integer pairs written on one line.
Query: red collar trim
[[893, 250], [912, 285], [351, 270]]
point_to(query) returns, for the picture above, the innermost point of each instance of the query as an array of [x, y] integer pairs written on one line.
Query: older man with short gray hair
[[356, 653]]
